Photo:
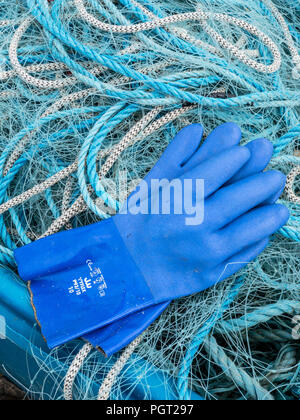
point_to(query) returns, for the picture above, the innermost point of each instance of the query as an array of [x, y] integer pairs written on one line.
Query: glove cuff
[[81, 280]]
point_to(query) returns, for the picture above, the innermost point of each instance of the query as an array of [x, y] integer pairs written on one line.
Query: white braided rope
[[13, 56], [7, 22], [23, 72], [7, 94], [243, 55], [166, 119], [113, 151], [201, 17], [127, 140], [180, 32], [67, 197], [106, 387], [67, 100], [289, 185], [31, 235], [184, 34], [51, 110], [43, 67], [288, 37], [80, 205], [109, 380], [56, 66], [74, 369], [34, 68], [37, 189]]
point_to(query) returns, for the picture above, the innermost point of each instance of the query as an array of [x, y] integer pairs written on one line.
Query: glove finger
[[275, 197], [234, 200], [180, 150], [251, 228], [221, 138], [261, 153], [236, 263], [217, 170]]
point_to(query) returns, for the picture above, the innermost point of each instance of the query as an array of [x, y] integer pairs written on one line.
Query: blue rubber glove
[[115, 336], [136, 252]]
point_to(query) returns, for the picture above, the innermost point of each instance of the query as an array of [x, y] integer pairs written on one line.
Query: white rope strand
[[74, 369], [79, 206], [19, 69], [37, 189], [106, 387], [289, 185], [289, 39], [113, 151]]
